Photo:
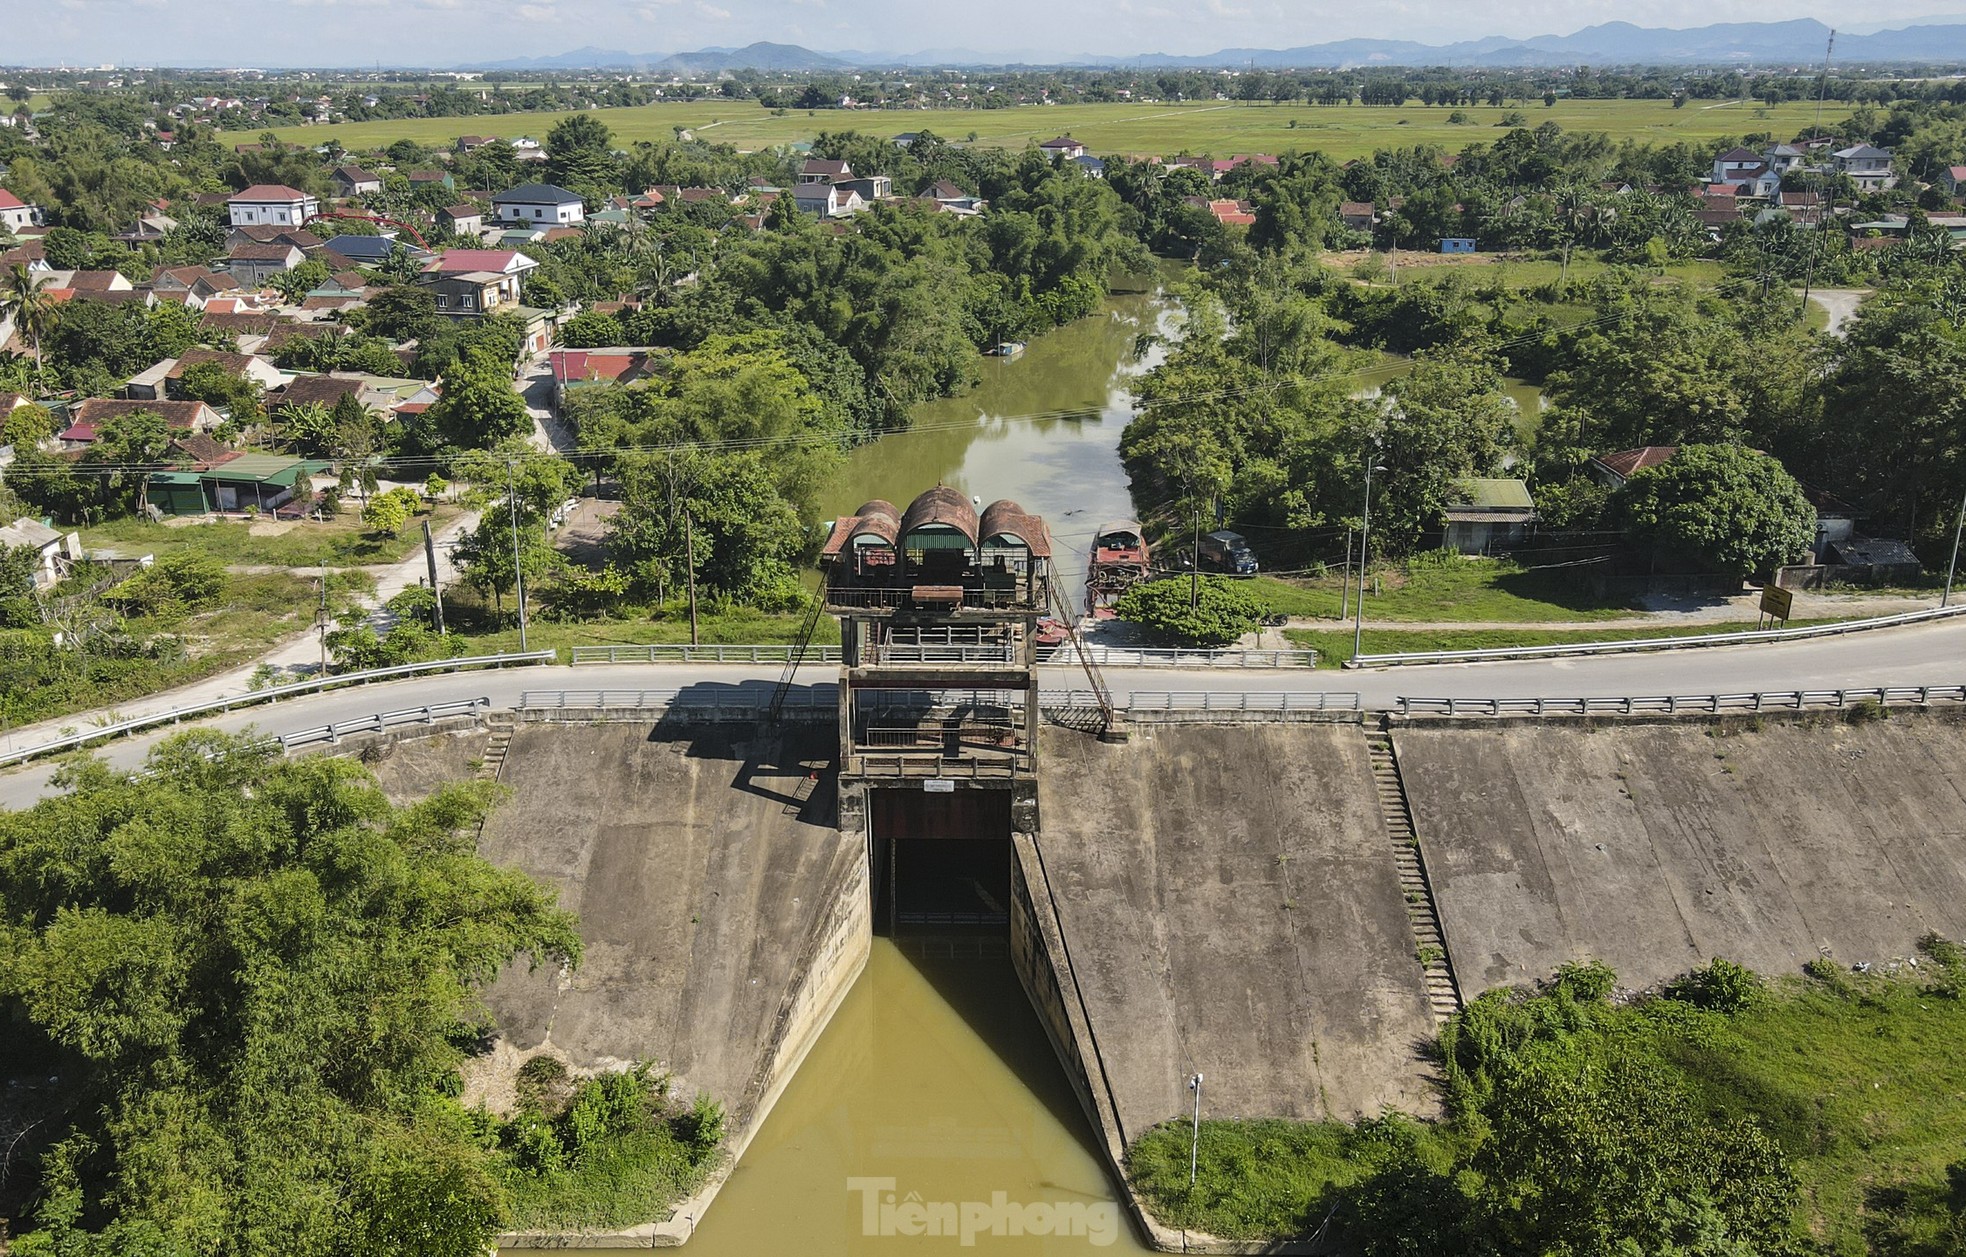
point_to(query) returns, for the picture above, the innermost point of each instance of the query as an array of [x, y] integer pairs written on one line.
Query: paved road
[[1931, 654], [1840, 304]]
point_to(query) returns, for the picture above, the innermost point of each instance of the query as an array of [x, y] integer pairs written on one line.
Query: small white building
[[271, 205], [539, 204], [56, 551], [16, 214]]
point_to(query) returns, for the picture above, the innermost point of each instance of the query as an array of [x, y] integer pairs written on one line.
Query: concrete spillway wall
[[1656, 847], [723, 913], [1226, 903]]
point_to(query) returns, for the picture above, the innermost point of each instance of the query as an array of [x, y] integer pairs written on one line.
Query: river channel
[[1042, 428], [935, 1072]]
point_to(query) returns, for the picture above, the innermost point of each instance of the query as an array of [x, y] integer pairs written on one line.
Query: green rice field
[[1221, 128]]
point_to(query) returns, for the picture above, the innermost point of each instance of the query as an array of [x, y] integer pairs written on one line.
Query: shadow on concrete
[[794, 765], [973, 974]]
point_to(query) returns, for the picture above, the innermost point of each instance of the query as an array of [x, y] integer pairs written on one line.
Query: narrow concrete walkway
[[1742, 609]]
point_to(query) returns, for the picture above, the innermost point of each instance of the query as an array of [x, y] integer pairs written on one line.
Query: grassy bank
[[152, 653], [338, 542], [1458, 589], [1334, 645], [1160, 128], [1855, 1080]]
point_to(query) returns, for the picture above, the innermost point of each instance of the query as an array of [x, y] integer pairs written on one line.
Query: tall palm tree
[[24, 296]]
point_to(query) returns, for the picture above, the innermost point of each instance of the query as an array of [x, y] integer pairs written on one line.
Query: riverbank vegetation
[[1726, 1114], [239, 990]]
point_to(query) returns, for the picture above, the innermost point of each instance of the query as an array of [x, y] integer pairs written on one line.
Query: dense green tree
[[1193, 611], [478, 407], [724, 510], [1727, 508], [1446, 421], [254, 973]]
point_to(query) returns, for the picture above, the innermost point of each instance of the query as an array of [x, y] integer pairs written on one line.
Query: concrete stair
[[1429, 941], [502, 725]]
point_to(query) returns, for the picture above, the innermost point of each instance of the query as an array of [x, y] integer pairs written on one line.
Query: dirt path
[[1840, 304]]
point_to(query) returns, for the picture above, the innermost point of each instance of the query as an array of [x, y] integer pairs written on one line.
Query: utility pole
[[321, 617], [430, 559], [1194, 1146], [1345, 590], [518, 575], [1194, 566], [1954, 565], [689, 545], [1364, 548], [1822, 200]]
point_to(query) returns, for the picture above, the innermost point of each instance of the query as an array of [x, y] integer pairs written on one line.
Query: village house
[[89, 416], [1357, 215], [509, 265], [1869, 167], [824, 170], [1486, 515], [538, 204], [55, 551], [1612, 470], [254, 265], [164, 380], [271, 205], [16, 214], [1064, 146], [827, 200], [354, 181], [462, 220]]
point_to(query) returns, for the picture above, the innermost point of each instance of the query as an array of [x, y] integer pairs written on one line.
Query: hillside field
[[1221, 128]]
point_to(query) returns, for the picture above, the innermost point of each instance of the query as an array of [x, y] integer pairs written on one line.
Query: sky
[[452, 32]]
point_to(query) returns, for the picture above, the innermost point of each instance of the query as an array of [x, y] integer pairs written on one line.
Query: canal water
[[1042, 428], [936, 1074]]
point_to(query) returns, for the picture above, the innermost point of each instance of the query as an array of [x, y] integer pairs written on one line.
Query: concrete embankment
[[1655, 847], [724, 916], [1227, 904]]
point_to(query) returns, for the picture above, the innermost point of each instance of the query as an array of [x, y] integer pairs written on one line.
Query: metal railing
[[382, 720], [1748, 637], [937, 652], [825, 699], [1181, 657], [1683, 704], [700, 654], [272, 693]]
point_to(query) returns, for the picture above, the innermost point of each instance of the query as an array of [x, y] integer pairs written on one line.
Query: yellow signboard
[[1776, 601]]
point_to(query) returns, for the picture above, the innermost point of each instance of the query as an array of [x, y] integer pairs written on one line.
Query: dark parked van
[[1227, 552]]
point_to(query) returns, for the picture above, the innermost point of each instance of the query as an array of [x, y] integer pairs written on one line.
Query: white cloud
[[711, 11]]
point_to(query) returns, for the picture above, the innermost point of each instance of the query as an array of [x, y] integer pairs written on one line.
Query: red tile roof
[[1628, 463], [9, 201]]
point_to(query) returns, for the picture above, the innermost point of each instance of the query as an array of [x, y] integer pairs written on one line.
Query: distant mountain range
[[1773, 45]]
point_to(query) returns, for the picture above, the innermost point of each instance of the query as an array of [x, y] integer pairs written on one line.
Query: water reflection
[[1043, 428]]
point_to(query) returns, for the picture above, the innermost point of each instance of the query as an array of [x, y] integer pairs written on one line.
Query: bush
[[1223, 610], [1721, 987]]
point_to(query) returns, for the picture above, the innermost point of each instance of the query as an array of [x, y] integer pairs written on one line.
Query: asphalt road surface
[[1929, 654]]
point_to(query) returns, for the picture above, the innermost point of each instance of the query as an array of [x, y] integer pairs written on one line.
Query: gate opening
[[940, 861]]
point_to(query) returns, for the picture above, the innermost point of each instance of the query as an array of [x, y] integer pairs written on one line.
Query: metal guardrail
[[382, 720], [1654, 643], [824, 699], [909, 652], [1182, 657], [273, 693], [1682, 704], [700, 654]]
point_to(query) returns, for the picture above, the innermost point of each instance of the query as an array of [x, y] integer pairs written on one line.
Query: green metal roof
[[260, 468], [176, 477], [1493, 495]]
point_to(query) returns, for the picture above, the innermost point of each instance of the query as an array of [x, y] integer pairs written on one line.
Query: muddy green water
[[1042, 428], [934, 1073]]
